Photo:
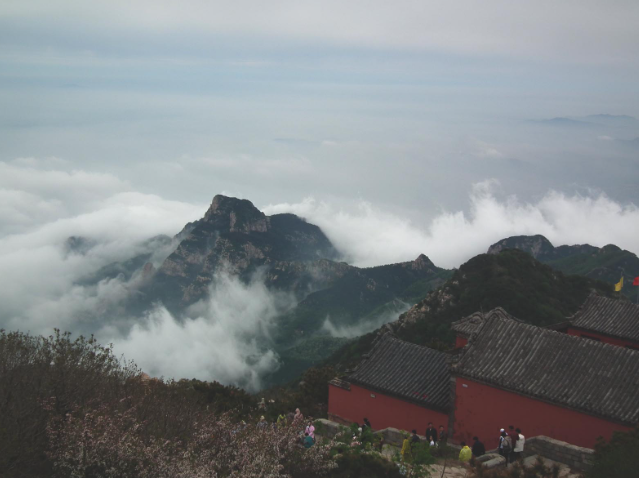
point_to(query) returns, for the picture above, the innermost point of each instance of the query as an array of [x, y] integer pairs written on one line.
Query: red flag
[[636, 281]]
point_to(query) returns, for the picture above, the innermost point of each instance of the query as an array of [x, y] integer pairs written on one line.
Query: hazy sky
[[404, 104], [400, 128]]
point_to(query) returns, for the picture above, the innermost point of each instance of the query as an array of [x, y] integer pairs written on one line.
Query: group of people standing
[[466, 453], [307, 438], [510, 446], [511, 443], [433, 438]]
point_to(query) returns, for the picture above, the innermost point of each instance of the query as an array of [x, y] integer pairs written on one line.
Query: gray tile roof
[[615, 318], [469, 325], [407, 371], [582, 374]]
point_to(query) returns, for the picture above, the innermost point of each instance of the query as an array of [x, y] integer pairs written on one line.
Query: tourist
[[239, 428], [354, 442], [407, 454], [415, 438], [367, 424], [431, 434], [505, 446], [310, 430], [281, 421], [478, 447], [308, 441], [465, 454], [518, 449], [262, 424], [513, 435], [443, 436], [298, 415]]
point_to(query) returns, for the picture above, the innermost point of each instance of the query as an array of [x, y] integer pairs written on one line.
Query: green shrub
[[422, 454], [616, 458], [369, 465], [442, 450]]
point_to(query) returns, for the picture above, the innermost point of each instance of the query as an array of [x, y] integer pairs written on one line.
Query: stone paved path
[[450, 472]]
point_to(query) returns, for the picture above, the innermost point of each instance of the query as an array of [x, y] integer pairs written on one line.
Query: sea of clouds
[[226, 337], [369, 236]]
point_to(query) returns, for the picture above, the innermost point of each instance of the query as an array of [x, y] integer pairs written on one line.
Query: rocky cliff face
[[235, 236], [537, 246], [235, 215], [541, 248]]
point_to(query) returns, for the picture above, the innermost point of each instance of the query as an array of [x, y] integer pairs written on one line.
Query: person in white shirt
[[518, 451]]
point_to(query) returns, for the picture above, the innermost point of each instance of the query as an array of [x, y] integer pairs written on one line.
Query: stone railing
[[391, 436], [330, 428], [576, 457]]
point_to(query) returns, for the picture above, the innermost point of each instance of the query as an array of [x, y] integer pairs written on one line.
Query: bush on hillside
[[370, 465], [616, 458], [112, 441], [33, 369], [71, 408]]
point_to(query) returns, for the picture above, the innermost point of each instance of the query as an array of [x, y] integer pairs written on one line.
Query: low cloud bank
[[364, 326], [224, 338], [369, 236]]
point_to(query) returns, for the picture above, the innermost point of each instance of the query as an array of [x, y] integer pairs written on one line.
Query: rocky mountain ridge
[[607, 263], [512, 279]]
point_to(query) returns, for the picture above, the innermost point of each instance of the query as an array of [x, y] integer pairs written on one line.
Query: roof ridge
[[545, 330]]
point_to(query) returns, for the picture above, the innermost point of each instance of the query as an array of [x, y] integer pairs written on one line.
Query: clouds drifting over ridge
[[369, 236], [38, 279]]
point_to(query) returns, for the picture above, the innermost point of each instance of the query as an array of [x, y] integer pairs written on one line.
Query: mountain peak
[[422, 262], [537, 246], [236, 215]]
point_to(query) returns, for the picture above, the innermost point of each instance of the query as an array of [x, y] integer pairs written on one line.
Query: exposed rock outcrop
[[237, 237]]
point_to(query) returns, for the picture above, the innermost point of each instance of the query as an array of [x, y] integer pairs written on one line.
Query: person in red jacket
[[513, 435]]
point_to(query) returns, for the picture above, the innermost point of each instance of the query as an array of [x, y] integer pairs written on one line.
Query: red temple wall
[[460, 342], [382, 410], [602, 338], [481, 410]]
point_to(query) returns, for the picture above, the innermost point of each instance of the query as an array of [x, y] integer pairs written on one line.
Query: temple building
[[544, 382], [606, 320], [400, 385], [503, 372]]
